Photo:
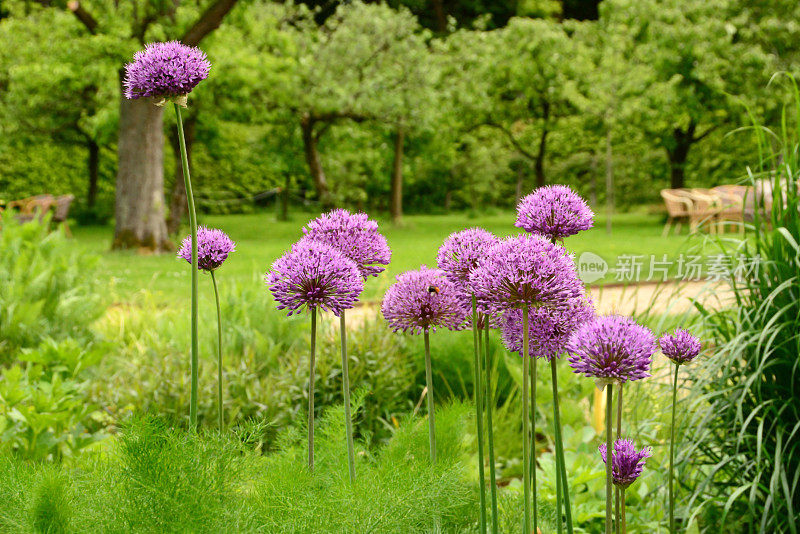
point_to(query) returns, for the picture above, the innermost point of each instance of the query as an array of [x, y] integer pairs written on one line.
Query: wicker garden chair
[[679, 207], [732, 210], [61, 212], [33, 207], [706, 205]]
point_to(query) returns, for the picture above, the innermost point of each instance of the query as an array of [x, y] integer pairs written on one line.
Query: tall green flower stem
[[622, 503], [478, 394], [561, 481], [672, 453], [187, 182], [487, 359], [619, 434], [526, 465], [609, 455], [534, 380], [429, 384], [311, 378], [348, 420], [219, 351]]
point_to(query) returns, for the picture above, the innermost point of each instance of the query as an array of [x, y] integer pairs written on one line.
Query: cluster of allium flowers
[[356, 236], [554, 211], [460, 253], [626, 462], [314, 275], [612, 349], [423, 300], [213, 247], [680, 346], [165, 70], [525, 270], [549, 328]]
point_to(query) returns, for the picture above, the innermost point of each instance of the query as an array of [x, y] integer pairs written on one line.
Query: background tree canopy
[[405, 105]]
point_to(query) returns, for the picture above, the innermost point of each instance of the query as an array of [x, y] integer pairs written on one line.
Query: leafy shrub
[[742, 447], [47, 287], [265, 365], [45, 406]]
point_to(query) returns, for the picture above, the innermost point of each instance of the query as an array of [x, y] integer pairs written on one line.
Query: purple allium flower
[[313, 274], [213, 247], [626, 463], [525, 269], [554, 211], [459, 254], [356, 236], [550, 329], [165, 70], [612, 349], [422, 300], [680, 346]]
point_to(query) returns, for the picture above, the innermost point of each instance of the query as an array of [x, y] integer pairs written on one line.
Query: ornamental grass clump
[[357, 237], [419, 302], [680, 347], [612, 350], [314, 276], [457, 258], [526, 271], [626, 465], [168, 72], [556, 212], [213, 248]]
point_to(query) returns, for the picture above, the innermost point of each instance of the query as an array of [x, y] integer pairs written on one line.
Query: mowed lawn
[[260, 239]]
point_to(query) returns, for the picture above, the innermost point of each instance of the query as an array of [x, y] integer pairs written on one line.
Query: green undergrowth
[[157, 478]]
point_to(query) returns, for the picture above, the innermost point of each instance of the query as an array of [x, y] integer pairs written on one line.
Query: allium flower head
[[312, 275], [165, 70], [680, 346], [549, 328], [356, 236], [626, 463], [213, 247], [525, 269], [554, 211], [423, 300], [460, 253], [612, 349]]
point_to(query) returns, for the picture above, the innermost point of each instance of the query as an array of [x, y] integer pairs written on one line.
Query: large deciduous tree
[[701, 70], [521, 84], [64, 94], [140, 207]]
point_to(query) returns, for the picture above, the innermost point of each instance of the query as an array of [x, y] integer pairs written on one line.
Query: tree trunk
[[177, 200], [139, 209], [609, 181], [396, 204], [284, 213], [520, 183], [539, 163], [93, 164], [440, 16], [310, 147], [678, 153], [593, 174]]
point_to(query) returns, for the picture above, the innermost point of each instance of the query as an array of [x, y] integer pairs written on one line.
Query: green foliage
[[51, 506], [265, 364], [155, 478], [46, 409], [47, 287], [743, 438]]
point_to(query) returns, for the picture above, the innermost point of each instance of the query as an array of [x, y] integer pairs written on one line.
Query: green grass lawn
[[260, 239]]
